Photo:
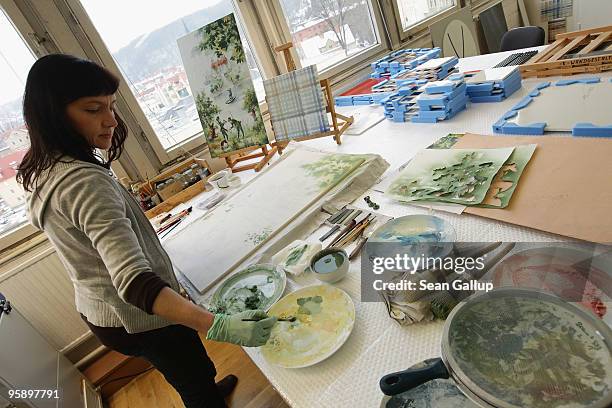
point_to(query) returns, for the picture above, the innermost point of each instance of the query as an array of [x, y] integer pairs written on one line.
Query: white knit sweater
[[103, 239]]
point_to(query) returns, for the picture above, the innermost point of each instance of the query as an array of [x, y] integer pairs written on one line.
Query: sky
[[15, 62], [137, 17]]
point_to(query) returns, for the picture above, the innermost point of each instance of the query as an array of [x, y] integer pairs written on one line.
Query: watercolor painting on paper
[[219, 77]]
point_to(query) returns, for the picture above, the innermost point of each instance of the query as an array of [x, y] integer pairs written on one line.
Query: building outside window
[[415, 11], [145, 49], [15, 62], [327, 32]]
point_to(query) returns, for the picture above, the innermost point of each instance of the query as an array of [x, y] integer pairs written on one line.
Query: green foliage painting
[[330, 170], [460, 176], [222, 37], [220, 81]]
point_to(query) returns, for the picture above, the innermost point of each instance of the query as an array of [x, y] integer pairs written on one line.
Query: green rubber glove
[[231, 329]]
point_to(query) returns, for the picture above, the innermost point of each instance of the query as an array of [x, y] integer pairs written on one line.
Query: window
[[15, 62], [414, 11], [142, 39], [326, 32]]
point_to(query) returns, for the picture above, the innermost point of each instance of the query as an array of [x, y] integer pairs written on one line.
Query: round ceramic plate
[[325, 319], [573, 274], [438, 393], [524, 348], [416, 235], [256, 287]]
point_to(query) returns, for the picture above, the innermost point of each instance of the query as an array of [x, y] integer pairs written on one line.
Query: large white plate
[[323, 324], [270, 281]]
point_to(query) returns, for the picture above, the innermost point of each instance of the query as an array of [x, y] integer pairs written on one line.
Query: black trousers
[[178, 353]]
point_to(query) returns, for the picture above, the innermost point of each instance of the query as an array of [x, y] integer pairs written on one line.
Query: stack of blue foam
[[401, 60], [432, 70], [494, 84], [440, 100], [400, 103], [364, 99]]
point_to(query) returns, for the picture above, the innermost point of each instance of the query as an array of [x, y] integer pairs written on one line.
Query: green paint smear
[[331, 169], [309, 305], [295, 255], [241, 299], [257, 238], [446, 142]]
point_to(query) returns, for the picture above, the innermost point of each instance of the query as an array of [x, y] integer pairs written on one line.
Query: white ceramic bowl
[[339, 270]]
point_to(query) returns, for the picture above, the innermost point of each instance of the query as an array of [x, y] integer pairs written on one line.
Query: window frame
[[145, 132], [31, 39], [417, 28], [278, 32]]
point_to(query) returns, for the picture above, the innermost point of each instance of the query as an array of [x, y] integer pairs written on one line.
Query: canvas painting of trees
[[216, 67]]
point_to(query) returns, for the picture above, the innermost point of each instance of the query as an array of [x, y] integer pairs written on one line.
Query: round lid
[[524, 348]]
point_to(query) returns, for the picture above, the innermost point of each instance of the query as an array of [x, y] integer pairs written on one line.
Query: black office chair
[[522, 37]]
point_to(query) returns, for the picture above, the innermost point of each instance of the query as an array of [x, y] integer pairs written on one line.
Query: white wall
[[590, 14], [586, 14]]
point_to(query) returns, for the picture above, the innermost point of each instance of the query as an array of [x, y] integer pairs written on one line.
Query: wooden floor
[[150, 390]]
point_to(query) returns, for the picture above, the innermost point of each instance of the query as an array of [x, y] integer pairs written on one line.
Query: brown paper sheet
[[565, 189]]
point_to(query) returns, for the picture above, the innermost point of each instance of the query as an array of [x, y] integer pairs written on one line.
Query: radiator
[[37, 284]]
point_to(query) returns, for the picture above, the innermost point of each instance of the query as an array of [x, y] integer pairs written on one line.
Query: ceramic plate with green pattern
[[325, 318], [256, 287], [516, 348], [525, 348]]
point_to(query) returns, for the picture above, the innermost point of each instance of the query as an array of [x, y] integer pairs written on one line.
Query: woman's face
[[93, 117]]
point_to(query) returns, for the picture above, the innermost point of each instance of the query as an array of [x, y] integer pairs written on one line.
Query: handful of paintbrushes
[[170, 222], [349, 225]]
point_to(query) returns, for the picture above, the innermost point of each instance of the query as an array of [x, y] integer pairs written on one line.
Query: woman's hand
[[231, 329]]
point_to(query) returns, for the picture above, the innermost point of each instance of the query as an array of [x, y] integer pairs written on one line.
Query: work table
[[378, 345]]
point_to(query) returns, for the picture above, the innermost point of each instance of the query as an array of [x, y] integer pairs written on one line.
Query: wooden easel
[[339, 122], [236, 157]]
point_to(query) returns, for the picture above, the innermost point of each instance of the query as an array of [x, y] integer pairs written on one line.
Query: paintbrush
[[361, 242], [355, 233], [172, 220], [353, 224], [442, 303], [280, 319], [169, 230]]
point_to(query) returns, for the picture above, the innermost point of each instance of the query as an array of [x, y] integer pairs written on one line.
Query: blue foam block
[[509, 90], [461, 90], [417, 119], [522, 103], [509, 83], [513, 129], [590, 130], [480, 87], [441, 87], [454, 113], [487, 98], [565, 82], [494, 92]]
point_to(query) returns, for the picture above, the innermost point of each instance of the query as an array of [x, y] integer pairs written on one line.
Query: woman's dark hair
[[53, 82]]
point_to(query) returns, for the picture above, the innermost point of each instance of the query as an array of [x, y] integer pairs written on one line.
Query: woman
[[123, 280]]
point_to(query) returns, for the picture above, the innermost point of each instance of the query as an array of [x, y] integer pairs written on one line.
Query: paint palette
[[325, 319], [256, 287]]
